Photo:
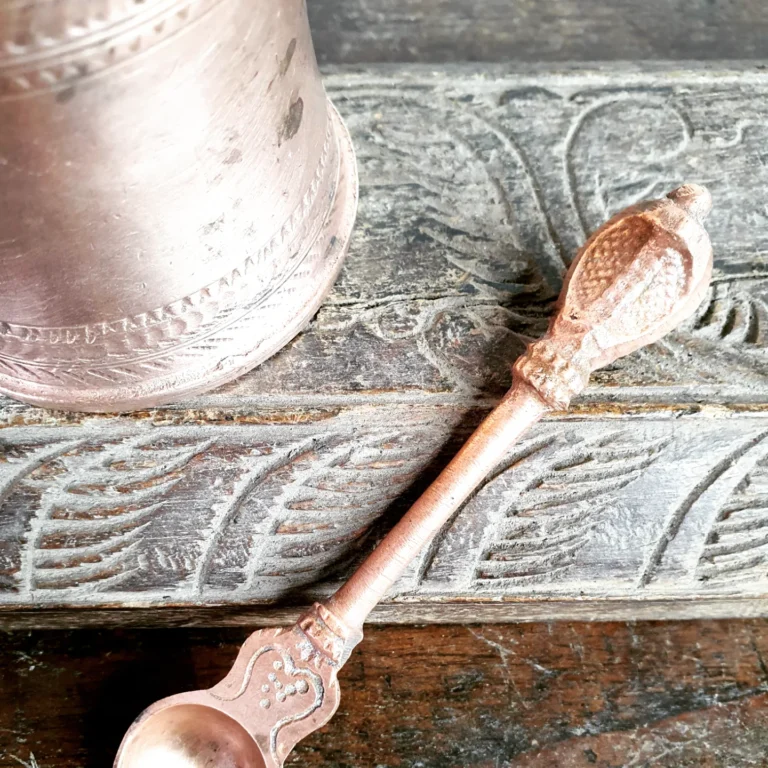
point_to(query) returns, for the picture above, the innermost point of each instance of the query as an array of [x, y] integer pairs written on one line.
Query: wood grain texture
[[477, 187], [536, 696], [367, 31]]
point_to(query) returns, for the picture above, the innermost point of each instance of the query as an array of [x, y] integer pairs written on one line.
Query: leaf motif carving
[[302, 509], [642, 141], [682, 539], [467, 200], [540, 510], [94, 503], [737, 546], [724, 339], [17, 462], [731, 315], [555, 512], [501, 249]]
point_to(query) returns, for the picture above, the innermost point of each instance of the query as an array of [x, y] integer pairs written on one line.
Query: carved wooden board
[[477, 187]]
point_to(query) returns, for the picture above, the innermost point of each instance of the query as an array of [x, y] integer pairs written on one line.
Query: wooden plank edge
[[513, 611]]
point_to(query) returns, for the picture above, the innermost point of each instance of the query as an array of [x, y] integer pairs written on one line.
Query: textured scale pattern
[[608, 256], [661, 292], [642, 268]]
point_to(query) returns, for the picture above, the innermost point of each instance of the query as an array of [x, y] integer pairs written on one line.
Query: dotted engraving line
[[206, 300], [43, 63]]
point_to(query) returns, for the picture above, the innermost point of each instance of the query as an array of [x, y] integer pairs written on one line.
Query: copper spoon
[[637, 277]]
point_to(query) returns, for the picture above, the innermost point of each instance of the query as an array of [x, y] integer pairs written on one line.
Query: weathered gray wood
[[367, 31], [477, 187]]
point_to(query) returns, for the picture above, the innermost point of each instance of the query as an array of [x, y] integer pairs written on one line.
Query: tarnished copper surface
[[176, 195], [637, 277]]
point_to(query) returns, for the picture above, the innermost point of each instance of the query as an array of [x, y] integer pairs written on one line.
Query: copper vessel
[[176, 195]]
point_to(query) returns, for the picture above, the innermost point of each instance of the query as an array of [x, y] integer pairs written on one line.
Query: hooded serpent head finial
[[636, 278]]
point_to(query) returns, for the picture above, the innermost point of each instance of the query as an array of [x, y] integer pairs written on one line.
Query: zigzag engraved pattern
[[162, 337], [207, 300]]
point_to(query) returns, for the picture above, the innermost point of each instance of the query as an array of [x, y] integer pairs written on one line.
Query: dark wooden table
[[564, 694]]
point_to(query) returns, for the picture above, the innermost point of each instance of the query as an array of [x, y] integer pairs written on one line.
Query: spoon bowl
[[188, 735], [281, 687]]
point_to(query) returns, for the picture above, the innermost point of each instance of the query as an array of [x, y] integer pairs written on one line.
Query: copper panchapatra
[[176, 195]]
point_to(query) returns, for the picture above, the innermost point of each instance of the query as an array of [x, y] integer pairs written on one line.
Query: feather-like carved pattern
[[491, 247], [731, 315], [553, 499], [726, 336], [304, 509], [500, 257], [737, 545], [17, 462], [94, 504]]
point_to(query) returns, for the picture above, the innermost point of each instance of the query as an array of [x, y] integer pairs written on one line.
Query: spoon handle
[[520, 408], [636, 278]]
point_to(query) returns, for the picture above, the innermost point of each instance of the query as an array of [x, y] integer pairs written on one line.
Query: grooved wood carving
[[439, 31], [475, 194]]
